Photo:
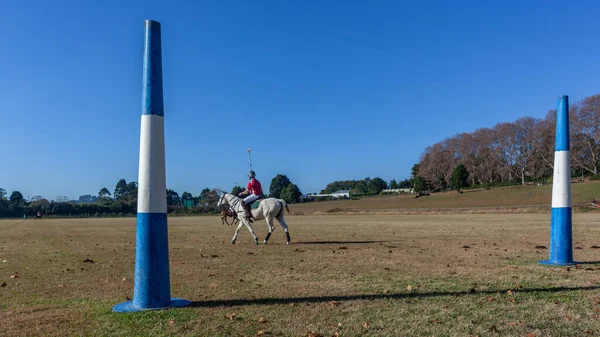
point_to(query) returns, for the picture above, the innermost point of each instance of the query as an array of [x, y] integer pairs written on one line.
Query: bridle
[[235, 202], [231, 206], [221, 199]]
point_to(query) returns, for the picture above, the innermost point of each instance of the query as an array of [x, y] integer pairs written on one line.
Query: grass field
[[505, 199], [409, 275]]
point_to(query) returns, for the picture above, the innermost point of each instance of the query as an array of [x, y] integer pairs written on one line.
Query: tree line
[[513, 152], [123, 201], [366, 186]]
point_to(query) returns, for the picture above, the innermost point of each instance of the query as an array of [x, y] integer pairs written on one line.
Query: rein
[[226, 213], [232, 205]]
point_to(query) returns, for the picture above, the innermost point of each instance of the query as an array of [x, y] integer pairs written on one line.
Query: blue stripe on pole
[[151, 285], [562, 124], [151, 288], [561, 242], [152, 82]]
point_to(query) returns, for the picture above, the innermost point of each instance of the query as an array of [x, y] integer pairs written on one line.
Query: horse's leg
[[249, 226], [237, 231], [271, 228], [284, 226]]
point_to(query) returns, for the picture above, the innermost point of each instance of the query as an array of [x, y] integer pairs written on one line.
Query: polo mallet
[[250, 158]]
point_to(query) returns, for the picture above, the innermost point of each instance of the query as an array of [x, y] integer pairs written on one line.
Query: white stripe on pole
[[561, 182], [152, 189]]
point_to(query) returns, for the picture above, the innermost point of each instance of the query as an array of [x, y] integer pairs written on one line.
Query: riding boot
[[248, 211]]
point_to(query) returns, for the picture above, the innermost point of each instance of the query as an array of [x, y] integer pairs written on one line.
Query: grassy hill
[[505, 199]]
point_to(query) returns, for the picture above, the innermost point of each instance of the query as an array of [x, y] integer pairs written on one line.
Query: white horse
[[268, 209]]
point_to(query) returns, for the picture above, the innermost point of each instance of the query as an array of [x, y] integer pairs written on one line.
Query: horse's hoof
[[233, 242], [265, 242], [287, 243]]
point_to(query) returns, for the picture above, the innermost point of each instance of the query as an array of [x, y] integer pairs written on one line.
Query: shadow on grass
[[335, 242], [416, 295]]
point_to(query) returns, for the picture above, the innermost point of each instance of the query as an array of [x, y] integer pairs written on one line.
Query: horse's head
[[222, 201]]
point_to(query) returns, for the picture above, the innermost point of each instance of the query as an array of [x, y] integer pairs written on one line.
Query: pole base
[[129, 307], [557, 264]]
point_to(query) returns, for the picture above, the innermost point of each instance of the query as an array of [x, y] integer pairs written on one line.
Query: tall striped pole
[[152, 280], [561, 238]]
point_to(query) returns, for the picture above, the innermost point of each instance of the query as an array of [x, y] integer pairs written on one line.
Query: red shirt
[[254, 187]]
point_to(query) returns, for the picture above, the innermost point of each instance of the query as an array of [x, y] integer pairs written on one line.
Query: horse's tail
[[285, 205]]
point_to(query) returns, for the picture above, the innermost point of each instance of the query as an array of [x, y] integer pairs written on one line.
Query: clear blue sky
[[321, 90]]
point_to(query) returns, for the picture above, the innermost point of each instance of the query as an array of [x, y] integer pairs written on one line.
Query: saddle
[[256, 202], [252, 206]]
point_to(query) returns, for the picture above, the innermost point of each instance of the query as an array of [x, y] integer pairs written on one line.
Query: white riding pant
[[251, 198]]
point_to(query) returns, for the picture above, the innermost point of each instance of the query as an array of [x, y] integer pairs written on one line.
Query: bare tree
[[586, 134], [428, 167], [470, 151], [519, 149], [546, 134], [506, 149], [487, 161], [526, 144], [444, 162]]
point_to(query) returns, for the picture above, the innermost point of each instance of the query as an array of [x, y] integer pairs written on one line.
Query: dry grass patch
[[394, 275], [514, 199]]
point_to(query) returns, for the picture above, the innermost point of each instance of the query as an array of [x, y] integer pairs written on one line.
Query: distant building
[[341, 194], [399, 190], [307, 197]]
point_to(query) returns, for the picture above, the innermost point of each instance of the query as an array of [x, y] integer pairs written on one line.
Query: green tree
[[393, 184], [2, 194], [414, 172], [357, 187], [376, 185], [87, 198], [196, 200], [291, 193], [459, 177], [186, 196], [360, 187], [340, 185], [120, 189], [419, 184], [104, 193], [237, 190], [204, 195], [173, 198], [132, 190], [41, 205], [405, 184], [278, 183], [16, 199]]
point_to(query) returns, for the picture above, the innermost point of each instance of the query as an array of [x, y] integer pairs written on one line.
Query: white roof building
[[335, 195], [341, 194]]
